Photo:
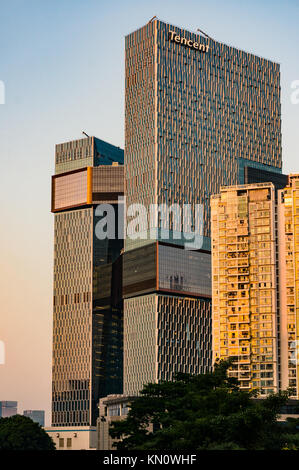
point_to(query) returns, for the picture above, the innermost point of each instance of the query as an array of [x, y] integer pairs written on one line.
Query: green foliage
[[21, 433], [290, 434], [202, 412]]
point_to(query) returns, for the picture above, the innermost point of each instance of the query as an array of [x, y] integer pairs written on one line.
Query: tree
[[290, 434], [21, 433], [200, 412]]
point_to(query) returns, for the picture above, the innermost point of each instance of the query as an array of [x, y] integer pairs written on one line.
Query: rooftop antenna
[[205, 34], [152, 19], [85, 134]]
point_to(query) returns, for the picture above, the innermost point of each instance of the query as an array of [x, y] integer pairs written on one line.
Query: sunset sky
[[62, 63]]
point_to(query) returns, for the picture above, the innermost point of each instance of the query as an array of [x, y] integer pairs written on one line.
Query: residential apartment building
[[244, 270], [288, 242], [255, 237]]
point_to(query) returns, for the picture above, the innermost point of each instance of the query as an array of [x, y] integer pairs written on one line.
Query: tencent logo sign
[[174, 37]]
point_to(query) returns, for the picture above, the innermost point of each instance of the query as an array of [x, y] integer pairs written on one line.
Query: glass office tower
[[87, 311], [197, 114]]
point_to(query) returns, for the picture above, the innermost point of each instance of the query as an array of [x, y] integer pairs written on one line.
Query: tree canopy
[[203, 412], [21, 433]]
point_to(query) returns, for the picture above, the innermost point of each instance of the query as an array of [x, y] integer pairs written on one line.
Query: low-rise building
[[111, 408], [73, 438]]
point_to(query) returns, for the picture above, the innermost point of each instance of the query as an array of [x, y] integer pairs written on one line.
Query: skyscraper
[[87, 311], [245, 315], [38, 416], [197, 114], [288, 238], [8, 408]]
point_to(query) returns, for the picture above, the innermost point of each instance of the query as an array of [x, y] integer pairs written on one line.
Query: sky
[[62, 65]]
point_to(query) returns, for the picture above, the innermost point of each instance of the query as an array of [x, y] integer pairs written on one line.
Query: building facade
[[38, 416], [111, 408], [197, 114], [194, 119], [255, 175], [73, 438], [288, 239], [87, 298], [245, 315], [8, 408]]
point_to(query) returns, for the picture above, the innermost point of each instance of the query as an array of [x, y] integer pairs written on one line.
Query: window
[[114, 410]]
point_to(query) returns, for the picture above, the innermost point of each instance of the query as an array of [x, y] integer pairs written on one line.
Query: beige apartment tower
[[288, 242], [244, 270]]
